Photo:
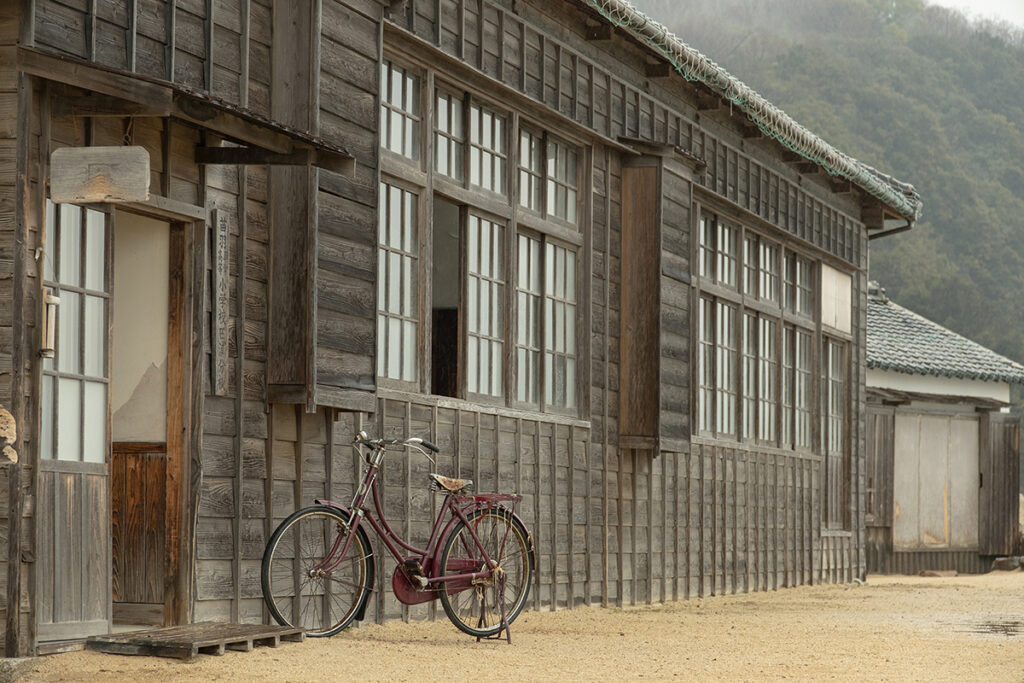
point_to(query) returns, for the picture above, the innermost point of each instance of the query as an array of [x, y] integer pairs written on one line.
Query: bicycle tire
[[327, 601], [474, 609]]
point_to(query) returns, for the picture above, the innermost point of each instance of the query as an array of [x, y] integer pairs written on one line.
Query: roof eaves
[[772, 121]]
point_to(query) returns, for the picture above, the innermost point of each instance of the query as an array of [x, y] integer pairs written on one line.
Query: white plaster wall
[[942, 386], [138, 384]]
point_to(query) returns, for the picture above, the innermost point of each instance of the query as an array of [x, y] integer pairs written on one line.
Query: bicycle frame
[[454, 508]]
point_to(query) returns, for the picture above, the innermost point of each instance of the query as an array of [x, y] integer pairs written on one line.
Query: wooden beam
[[236, 128], [255, 156], [72, 72], [97, 105]]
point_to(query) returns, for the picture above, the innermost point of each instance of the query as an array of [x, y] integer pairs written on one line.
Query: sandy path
[[894, 628]]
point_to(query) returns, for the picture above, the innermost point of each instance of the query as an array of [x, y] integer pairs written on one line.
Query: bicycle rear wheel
[[300, 584], [476, 608]]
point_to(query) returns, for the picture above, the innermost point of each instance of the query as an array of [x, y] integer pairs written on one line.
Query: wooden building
[[943, 455], [549, 236]]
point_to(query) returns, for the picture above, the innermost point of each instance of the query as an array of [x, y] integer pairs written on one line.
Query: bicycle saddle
[[449, 484]]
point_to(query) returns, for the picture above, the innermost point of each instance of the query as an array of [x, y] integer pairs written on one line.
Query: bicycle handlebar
[[362, 439]]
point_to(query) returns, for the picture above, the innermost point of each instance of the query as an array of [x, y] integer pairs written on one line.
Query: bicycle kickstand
[[504, 618]]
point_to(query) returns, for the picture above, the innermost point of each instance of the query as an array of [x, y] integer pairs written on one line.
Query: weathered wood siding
[[675, 313], [10, 128], [221, 46], [345, 321]]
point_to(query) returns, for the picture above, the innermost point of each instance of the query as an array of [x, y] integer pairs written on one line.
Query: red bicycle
[[319, 569]]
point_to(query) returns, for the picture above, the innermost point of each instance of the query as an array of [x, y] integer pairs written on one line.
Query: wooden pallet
[[186, 642]]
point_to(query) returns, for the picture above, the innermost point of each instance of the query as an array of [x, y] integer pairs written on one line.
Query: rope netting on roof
[[771, 120]]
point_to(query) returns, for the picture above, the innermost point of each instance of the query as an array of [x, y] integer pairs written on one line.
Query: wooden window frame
[[835, 428], [418, 296], [766, 378], [51, 367], [388, 65], [501, 206]]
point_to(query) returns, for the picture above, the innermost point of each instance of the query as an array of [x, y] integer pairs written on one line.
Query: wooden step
[[186, 642]]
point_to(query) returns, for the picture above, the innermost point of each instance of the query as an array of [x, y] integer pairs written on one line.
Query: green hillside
[[921, 93]]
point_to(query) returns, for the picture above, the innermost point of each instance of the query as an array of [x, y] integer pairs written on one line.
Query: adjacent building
[[943, 453]]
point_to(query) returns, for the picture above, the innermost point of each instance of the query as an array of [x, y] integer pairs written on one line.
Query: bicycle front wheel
[[475, 607], [304, 582]]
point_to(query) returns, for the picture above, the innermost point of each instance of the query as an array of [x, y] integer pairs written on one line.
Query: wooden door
[[999, 481], [935, 482], [138, 493], [73, 506]]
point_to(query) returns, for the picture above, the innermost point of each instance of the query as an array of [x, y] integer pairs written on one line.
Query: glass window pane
[[95, 241], [46, 423], [95, 422], [69, 419], [70, 245], [95, 337], [69, 330]]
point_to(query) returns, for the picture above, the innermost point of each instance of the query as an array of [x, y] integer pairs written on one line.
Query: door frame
[[187, 228]]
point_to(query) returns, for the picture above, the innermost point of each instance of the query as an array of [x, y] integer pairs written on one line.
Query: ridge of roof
[[772, 121], [901, 340]]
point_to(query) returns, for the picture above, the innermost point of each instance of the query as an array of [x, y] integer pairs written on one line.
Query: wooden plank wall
[[346, 248], [222, 46], [10, 126]]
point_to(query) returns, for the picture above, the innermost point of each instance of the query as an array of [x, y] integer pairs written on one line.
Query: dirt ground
[[968, 628]]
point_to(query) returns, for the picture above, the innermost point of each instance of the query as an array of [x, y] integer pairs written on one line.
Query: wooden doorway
[[146, 417]]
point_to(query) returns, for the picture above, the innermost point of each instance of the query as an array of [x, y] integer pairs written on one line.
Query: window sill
[[755, 448], [471, 406]]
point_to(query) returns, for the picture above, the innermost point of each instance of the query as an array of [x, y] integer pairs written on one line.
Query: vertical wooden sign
[[219, 305]]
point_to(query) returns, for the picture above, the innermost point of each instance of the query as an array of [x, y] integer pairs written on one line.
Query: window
[[755, 318], [559, 326], [750, 375], [397, 279], [562, 184], [706, 366], [75, 380], [487, 155], [767, 396], [796, 388], [833, 418], [548, 176], [496, 321], [725, 369], [546, 296], [797, 277], [769, 272], [449, 136], [399, 115], [485, 306], [531, 171]]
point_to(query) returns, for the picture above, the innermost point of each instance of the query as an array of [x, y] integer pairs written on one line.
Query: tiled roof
[[903, 341]]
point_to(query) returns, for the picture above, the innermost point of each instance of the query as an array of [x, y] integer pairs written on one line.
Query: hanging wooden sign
[[89, 175]]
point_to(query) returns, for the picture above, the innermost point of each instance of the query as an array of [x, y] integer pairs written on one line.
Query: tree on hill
[[917, 91]]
